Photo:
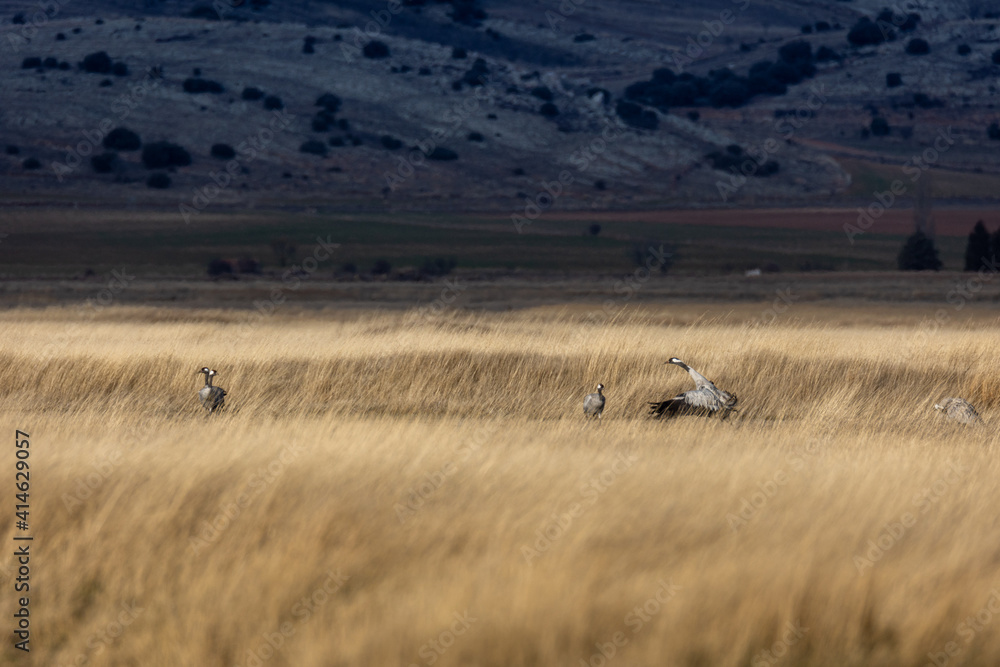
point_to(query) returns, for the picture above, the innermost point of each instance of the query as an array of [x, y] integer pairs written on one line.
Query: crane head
[[213, 372], [600, 386], [203, 370], [674, 360]]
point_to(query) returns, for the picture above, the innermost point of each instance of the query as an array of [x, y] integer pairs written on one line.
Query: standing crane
[[705, 396], [211, 397], [593, 404]]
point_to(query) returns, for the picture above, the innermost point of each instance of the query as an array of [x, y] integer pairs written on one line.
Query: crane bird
[[211, 397], [958, 409], [705, 396], [593, 404]]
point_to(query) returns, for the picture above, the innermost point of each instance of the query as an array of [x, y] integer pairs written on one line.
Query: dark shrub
[[879, 126], [996, 57], [31, 163], [918, 47], [794, 52], [158, 180], [390, 142], [163, 154], [223, 151], [583, 37], [382, 267], [104, 163], [97, 63], [337, 142], [919, 254], [329, 102], [785, 73], [475, 136], [442, 153], [663, 75], [313, 147], [977, 251], [344, 125], [477, 74], [375, 50], [542, 92], [594, 229], [219, 267], [323, 121], [822, 26], [993, 131], [825, 53], [31, 63], [964, 49], [439, 266], [273, 103], [11, 149], [458, 53], [247, 264], [549, 110], [122, 139], [893, 79], [64, 65], [807, 29], [636, 116], [205, 13], [119, 69], [865, 33], [252, 94], [50, 63], [195, 85], [105, 83], [308, 48], [730, 93]]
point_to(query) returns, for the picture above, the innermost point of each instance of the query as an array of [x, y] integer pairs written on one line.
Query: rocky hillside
[[481, 105]]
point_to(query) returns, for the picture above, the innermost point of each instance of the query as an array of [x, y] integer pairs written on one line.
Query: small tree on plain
[[978, 248], [919, 254]]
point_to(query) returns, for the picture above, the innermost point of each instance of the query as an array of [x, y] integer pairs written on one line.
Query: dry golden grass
[[375, 474]]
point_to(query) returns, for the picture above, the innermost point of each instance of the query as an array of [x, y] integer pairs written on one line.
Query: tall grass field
[[419, 488]]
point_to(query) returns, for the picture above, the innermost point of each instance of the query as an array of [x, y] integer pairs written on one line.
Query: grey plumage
[[704, 397], [593, 404], [958, 409], [212, 398]]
